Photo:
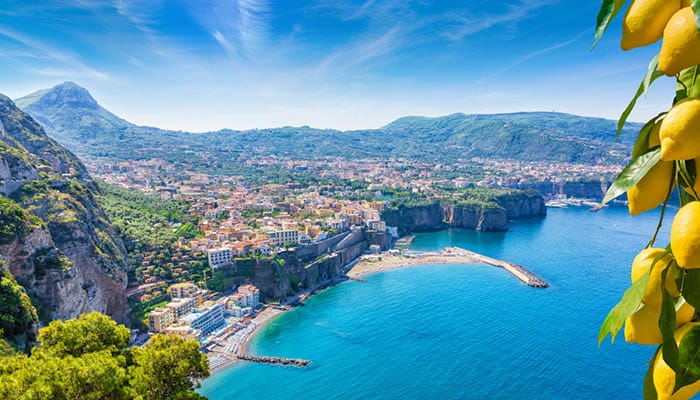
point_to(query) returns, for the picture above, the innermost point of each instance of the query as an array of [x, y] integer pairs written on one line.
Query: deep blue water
[[466, 331]]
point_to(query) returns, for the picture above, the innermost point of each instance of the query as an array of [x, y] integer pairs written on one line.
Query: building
[[186, 289], [160, 318], [377, 225], [281, 238], [251, 293], [219, 257], [206, 319], [181, 306]]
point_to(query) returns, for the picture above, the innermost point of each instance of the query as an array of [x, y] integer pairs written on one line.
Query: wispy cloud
[[240, 27], [465, 25], [63, 63], [534, 54]]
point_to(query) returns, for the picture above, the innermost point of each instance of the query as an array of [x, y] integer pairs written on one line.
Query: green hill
[[76, 120]]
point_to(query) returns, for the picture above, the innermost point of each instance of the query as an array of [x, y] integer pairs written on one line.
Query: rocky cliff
[[489, 212], [54, 237], [305, 267]]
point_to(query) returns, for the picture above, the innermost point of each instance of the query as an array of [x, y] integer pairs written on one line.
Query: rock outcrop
[[491, 215], [56, 241]]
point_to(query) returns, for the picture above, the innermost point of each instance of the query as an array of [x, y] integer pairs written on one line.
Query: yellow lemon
[[641, 264], [665, 377], [685, 236], [643, 326], [679, 131], [645, 21], [651, 191], [681, 45]]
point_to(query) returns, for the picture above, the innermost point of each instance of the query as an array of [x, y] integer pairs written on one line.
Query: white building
[[375, 225], [205, 319], [219, 257], [252, 294], [281, 238]]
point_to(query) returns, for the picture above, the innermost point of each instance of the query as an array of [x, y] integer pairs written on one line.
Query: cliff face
[[56, 240], [305, 267], [481, 217]]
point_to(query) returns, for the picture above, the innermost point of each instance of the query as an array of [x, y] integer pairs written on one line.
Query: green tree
[[90, 333], [166, 369]]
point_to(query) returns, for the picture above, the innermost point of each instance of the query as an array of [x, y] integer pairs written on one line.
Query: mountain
[[55, 239], [76, 120]]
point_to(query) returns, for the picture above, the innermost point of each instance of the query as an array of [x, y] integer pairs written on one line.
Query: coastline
[[238, 344]]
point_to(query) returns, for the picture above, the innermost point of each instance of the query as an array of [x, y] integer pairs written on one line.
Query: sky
[[201, 65]]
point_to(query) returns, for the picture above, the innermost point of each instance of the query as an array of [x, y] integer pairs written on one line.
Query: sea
[[467, 331]]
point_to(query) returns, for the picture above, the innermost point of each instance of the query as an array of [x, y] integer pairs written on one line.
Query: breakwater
[[520, 272], [294, 362]]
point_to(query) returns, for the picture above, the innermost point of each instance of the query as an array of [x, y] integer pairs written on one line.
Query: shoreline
[[369, 265], [238, 344]]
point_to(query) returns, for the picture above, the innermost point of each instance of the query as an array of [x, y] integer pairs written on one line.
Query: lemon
[[685, 236], [645, 20], [665, 377], [651, 191], [640, 266], [681, 45], [679, 131], [643, 326]]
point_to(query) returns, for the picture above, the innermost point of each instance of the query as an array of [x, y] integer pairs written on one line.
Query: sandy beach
[[390, 261]]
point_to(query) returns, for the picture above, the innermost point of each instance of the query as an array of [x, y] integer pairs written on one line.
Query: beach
[[388, 261]]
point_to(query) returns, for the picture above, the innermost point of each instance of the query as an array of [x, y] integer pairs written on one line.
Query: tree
[[88, 358], [89, 333], [166, 369]]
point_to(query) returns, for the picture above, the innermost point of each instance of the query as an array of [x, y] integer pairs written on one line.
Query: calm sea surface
[[466, 331]]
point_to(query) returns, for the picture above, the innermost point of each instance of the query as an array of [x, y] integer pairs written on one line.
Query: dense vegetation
[[17, 314], [522, 136], [88, 358]]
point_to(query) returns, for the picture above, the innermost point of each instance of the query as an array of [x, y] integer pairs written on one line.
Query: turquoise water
[[466, 331]]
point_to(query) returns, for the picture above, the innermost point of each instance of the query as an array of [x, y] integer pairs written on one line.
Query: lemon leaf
[[628, 304], [641, 145], [691, 287], [696, 8], [649, 388], [652, 74], [608, 11], [689, 359], [632, 174], [667, 324]]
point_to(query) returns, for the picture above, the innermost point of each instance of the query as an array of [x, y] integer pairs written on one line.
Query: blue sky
[[208, 64]]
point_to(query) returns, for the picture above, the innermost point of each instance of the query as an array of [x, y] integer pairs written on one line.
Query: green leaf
[[649, 388], [632, 174], [689, 359], [652, 75], [667, 324], [696, 8], [628, 304], [691, 287], [689, 77], [608, 11], [642, 143]]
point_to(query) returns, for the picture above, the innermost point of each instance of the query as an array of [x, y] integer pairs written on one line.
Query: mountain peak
[[65, 93]]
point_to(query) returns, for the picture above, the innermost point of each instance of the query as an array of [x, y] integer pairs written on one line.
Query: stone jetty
[[520, 272], [294, 362]]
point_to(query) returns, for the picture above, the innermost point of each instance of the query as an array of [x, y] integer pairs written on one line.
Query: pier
[[294, 362], [520, 272]]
